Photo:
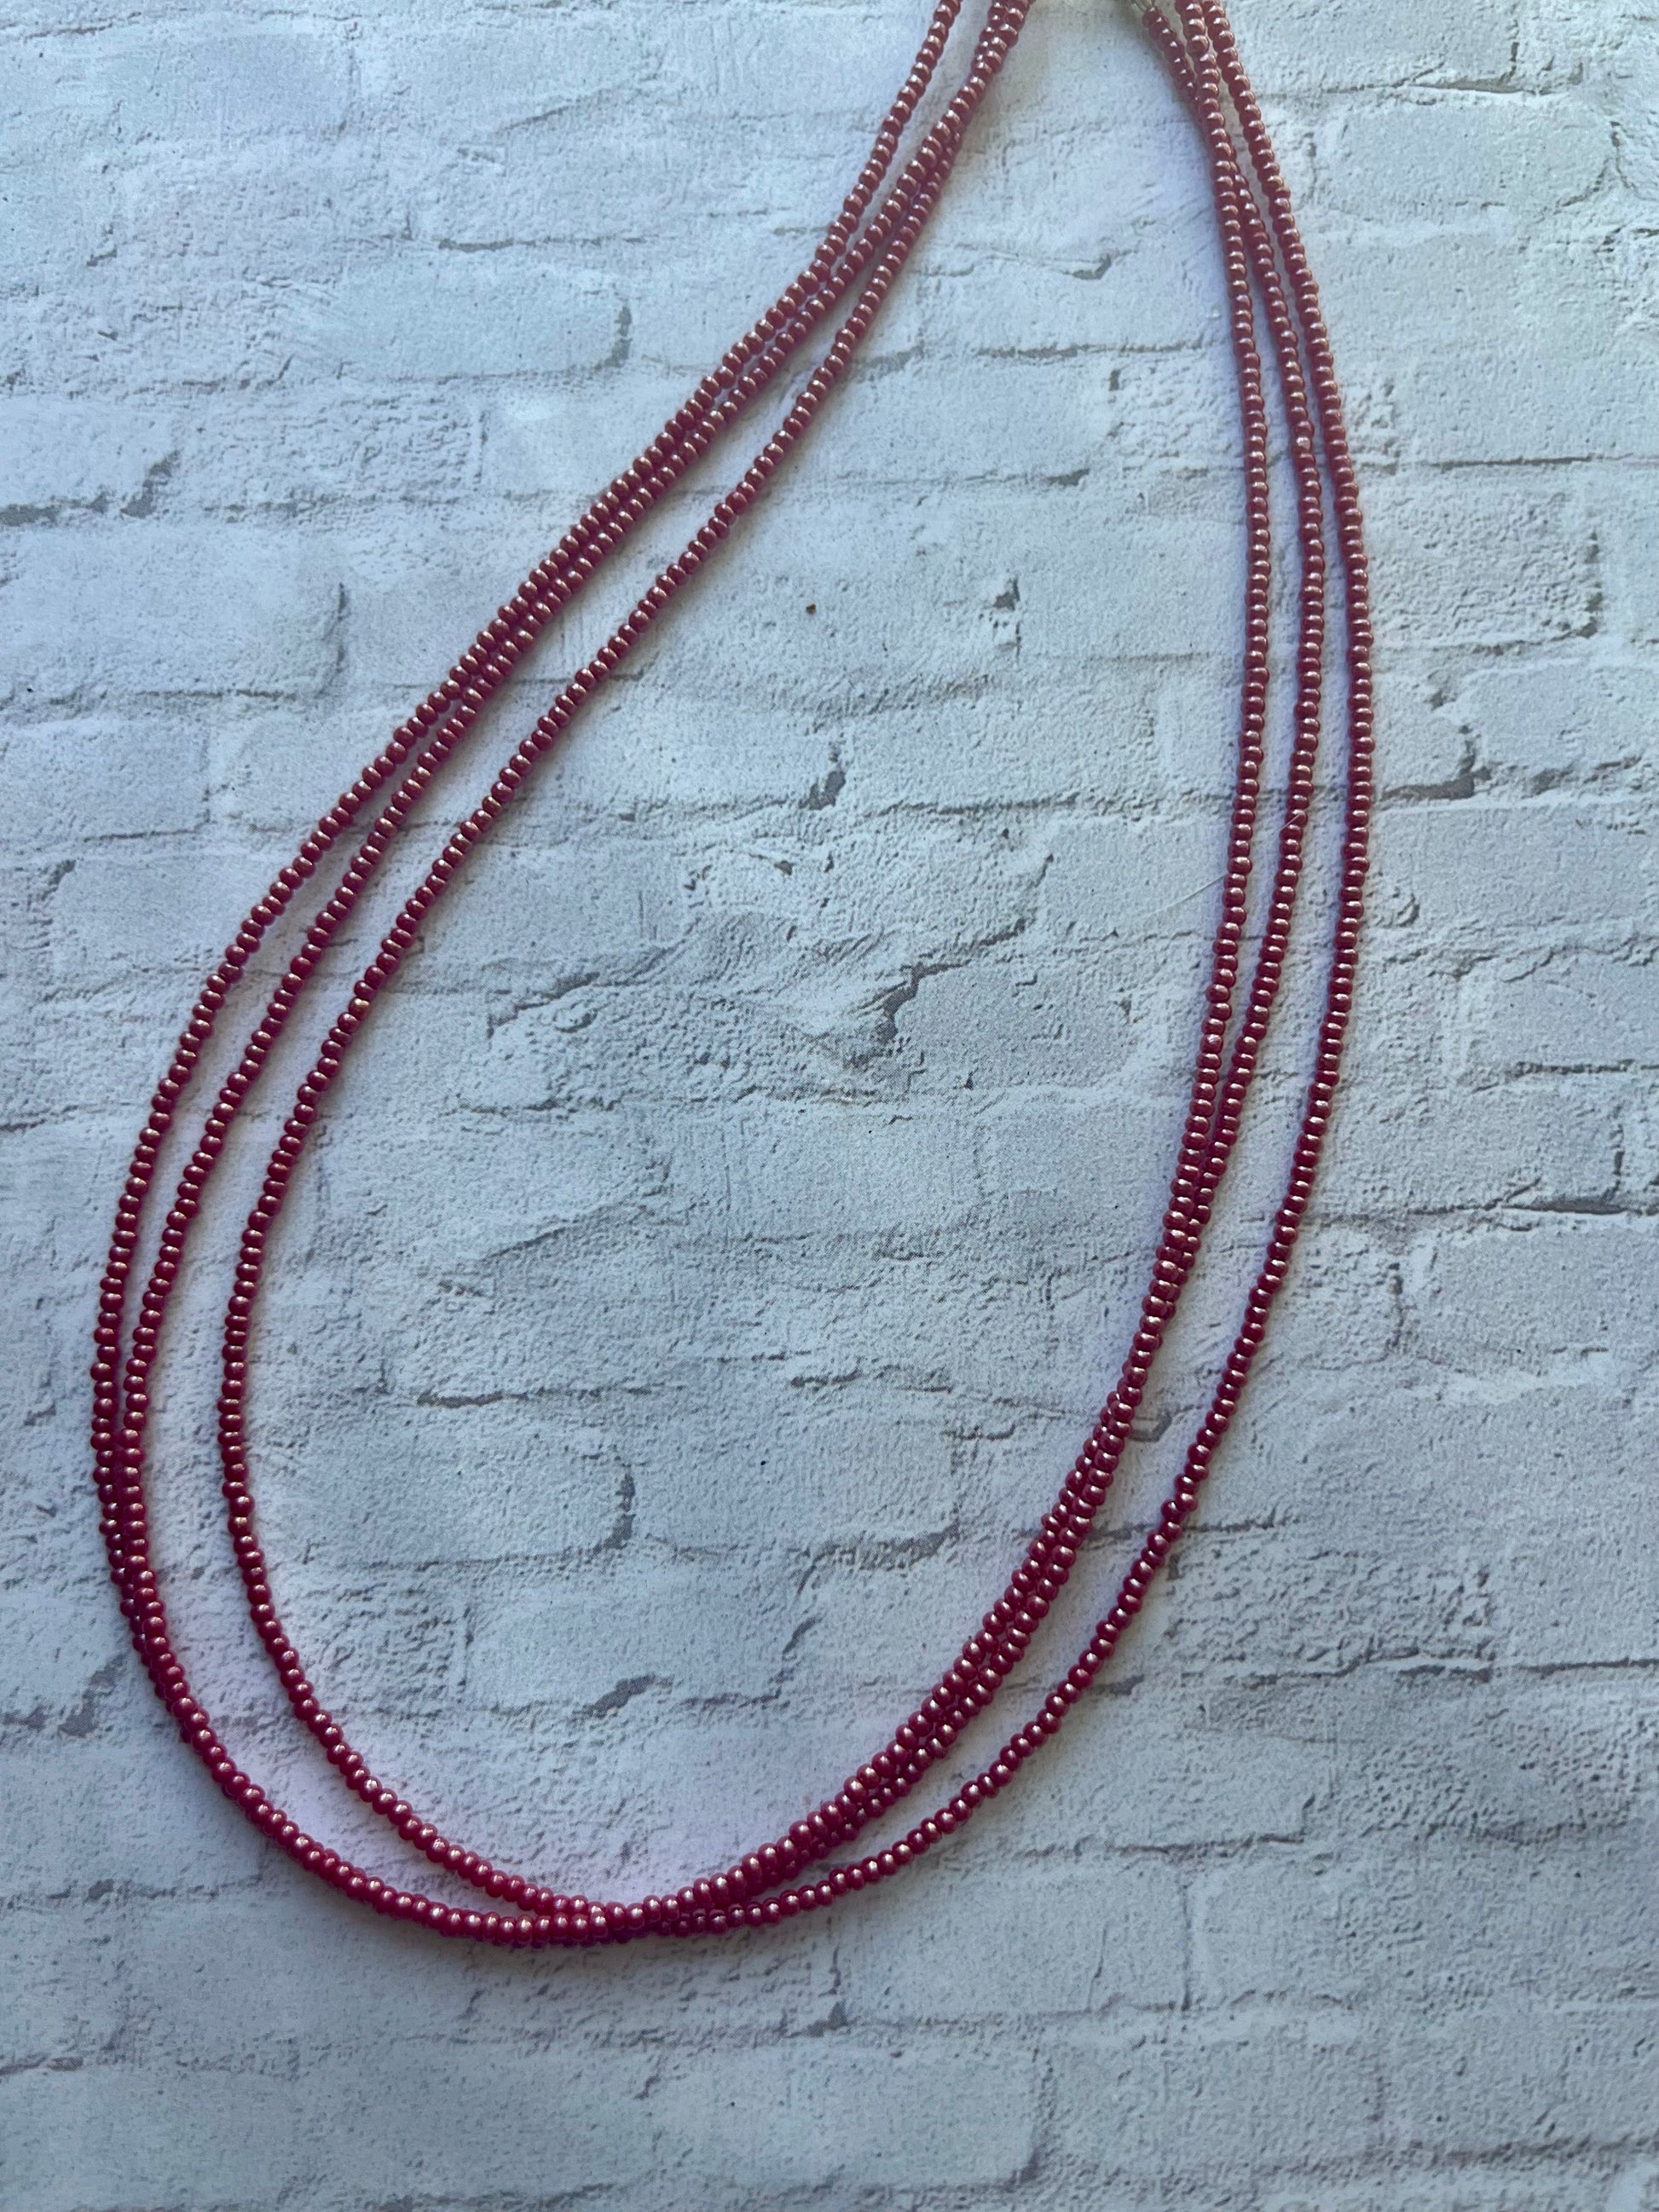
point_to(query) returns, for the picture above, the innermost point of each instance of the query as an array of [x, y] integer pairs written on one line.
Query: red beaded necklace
[[861, 253]]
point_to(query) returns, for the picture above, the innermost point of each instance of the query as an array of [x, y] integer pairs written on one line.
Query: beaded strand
[[1262, 258]]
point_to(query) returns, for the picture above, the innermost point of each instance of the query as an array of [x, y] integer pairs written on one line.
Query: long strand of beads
[[1256, 248]]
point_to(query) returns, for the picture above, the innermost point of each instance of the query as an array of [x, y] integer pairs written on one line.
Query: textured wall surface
[[711, 1265]]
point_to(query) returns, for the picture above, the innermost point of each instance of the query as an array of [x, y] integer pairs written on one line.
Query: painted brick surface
[[709, 1269]]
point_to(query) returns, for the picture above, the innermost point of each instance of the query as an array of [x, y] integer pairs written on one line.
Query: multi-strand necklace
[[819, 1859]]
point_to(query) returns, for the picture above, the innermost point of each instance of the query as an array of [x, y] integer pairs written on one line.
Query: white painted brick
[[1507, 2183], [1167, 2104], [1402, 159], [66, 1998], [1032, 1939], [130, 910], [1432, 1757], [167, 608], [1159, 879], [326, 449], [538, 920], [78, 1820], [474, 1479], [830, 1174], [1449, 870], [69, 781], [1130, 1780], [1631, 591], [1507, 564], [57, 454], [841, 2115], [465, 84], [461, 315], [1306, 48], [1528, 1145], [872, 1471], [1584, 1012], [1550, 722], [1325, 1613], [216, 91], [1480, 1297], [1499, 406], [1503, 1921], [184, 2134], [1584, 1600], [1568, 2078]]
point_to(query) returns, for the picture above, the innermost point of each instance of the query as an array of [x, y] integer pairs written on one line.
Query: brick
[[1551, 721], [460, 315], [74, 1664], [530, 1180], [462, 1474], [1506, 2185], [1577, 1013], [1127, 1778], [692, 1635], [184, 2134], [131, 913], [872, 1471], [1524, 1144], [1632, 595], [1536, 563], [77, 1821], [1160, 879], [1593, 1264], [323, 451], [538, 919], [465, 86], [169, 609], [1443, 1757], [820, 1174], [1409, 1930], [1581, 868], [1041, 1940], [215, 91], [1488, 408], [844, 2115], [1582, 1604], [1211, 2097], [1571, 2079], [1290, 1603], [69, 781], [1397, 158], [67, 2004], [1307, 50], [61, 455]]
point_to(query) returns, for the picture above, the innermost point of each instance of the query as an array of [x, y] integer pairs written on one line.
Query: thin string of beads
[[451, 711], [724, 1906], [173, 1675], [988, 1655], [455, 705], [755, 1868], [860, 1802], [237, 1482], [889, 1775], [1196, 68], [597, 1922], [119, 1452], [141, 1593]]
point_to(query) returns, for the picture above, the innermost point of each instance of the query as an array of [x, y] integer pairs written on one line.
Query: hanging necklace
[[812, 1863]]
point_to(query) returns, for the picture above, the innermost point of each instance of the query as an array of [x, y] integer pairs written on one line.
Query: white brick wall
[[711, 1264]]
